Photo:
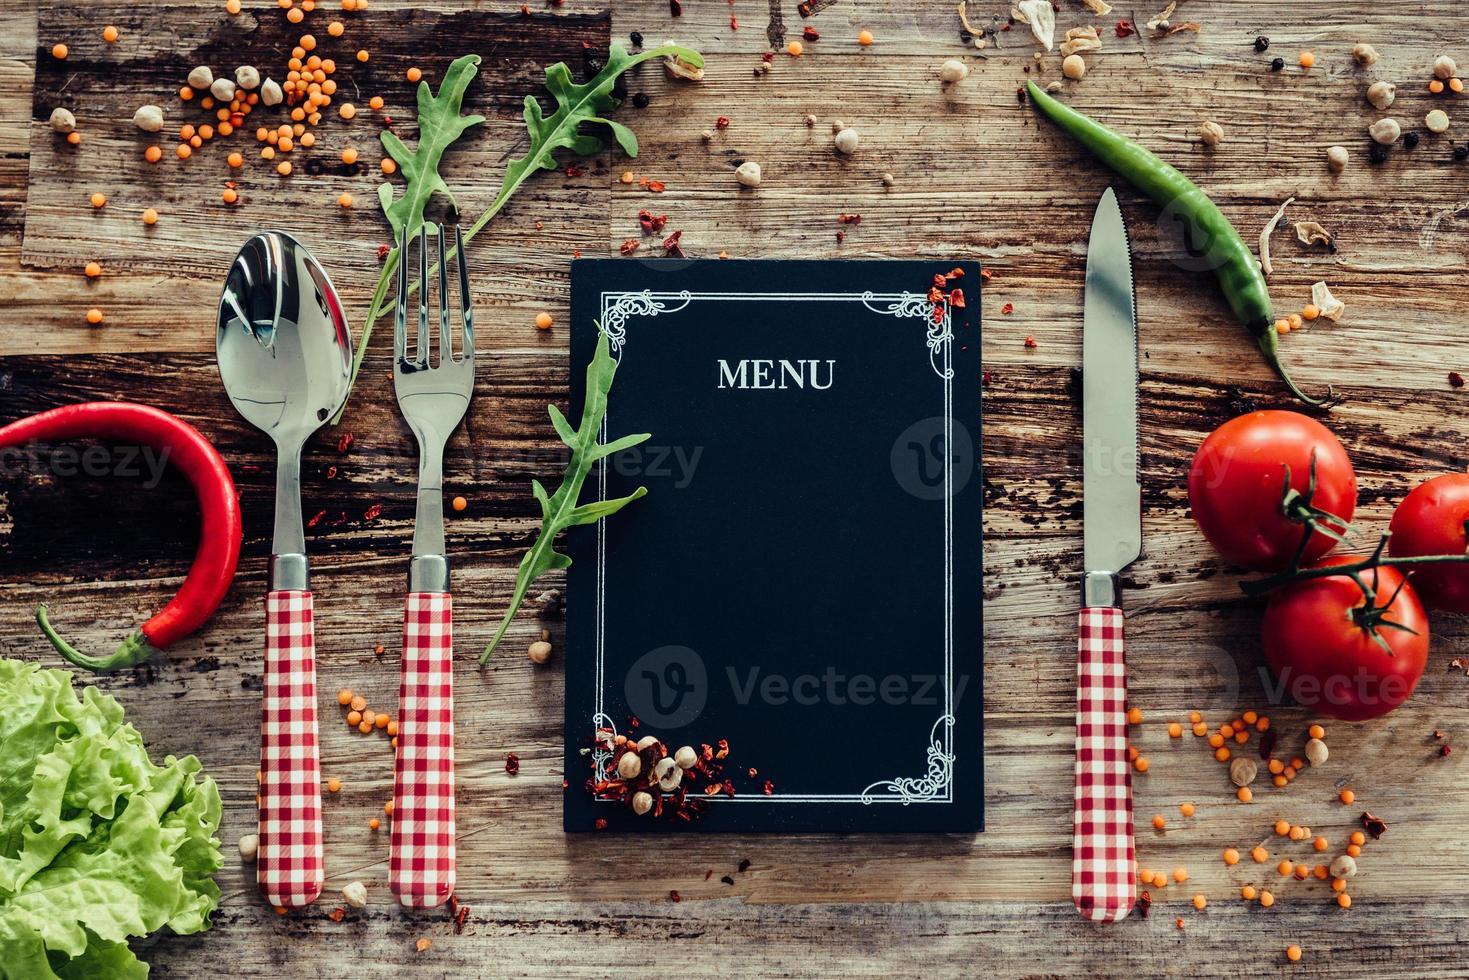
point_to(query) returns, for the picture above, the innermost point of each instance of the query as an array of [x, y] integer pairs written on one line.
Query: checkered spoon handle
[[289, 865], [421, 859], [1103, 882]]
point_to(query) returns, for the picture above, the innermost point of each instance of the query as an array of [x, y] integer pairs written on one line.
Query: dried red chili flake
[[986, 275], [345, 442], [956, 298], [935, 295], [841, 237], [1178, 922], [728, 787], [768, 57], [734, 23], [809, 33], [1445, 749], [955, 273], [525, 10], [708, 874], [849, 219], [657, 186], [674, 896], [387, 122], [331, 472], [706, 751], [600, 823], [1373, 825], [1144, 902], [769, 788], [722, 122], [727, 880], [512, 763], [1456, 380], [1030, 342], [752, 772], [316, 518], [1125, 28], [337, 915], [574, 171], [1008, 308], [371, 513], [566, 784], [382, 252], [712, 789], [1267, 744], [671, 244], [723, 749], [675, 7], [986, 377], [744, 865], [461, 917], [629, 246], [651, 223]]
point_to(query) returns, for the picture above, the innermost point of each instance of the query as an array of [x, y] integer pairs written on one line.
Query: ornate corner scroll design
[[933, 785], [911, 305], [619, 308]]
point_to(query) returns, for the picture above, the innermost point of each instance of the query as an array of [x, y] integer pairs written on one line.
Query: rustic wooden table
[[975, 175]]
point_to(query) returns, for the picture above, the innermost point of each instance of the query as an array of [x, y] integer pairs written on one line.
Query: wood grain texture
[[975, 174]]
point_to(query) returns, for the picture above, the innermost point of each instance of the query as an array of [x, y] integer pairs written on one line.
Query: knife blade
[[1103, 881]]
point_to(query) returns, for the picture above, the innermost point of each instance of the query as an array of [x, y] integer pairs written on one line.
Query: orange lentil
[[543, 321], [359, 703], [1348, 797], [94, 316], [1316, 731], [1134, 716], [388, 165], [1141, 764], [1456, 85], [1180, 874], [230, 195], [1216, 740], [413, 74], [1293, 953], [388, 808], [1306, 59], [373, 824], [226, 129], [235, 160], [186, 93], [1282, 828], [1344, 900], [345, 200], [295, 16], [1194, 717], [1298, 833], [1297, 762], [207, 102], [349, 155], [1320, 844], [376, 102], [1263, 725], [109, 34], [1226, 731], [98, 200], [1158, 822], [864, 37], [1250, 717], [1435, 86], [1200, 729], [394, 742], [74, 138], [1244, 794], [1279, 780], [196, 141], [392, 727], [363, 56], [152, 154], [1231, 856], [59, 52], [1222, 754], [1302, 872], [1358, 838], [344, 696], [329, 65], [1310, 311], [347, 110], [1200, 901], [366, 727], [459, 503], [1241, 737], [231, 6], [267, 153], [1259, 854], [150, 216], [1175, 730], [380, 720], [1338, 884], [1247, 893], [1187, 809], [1282, 326], [93, 270], [206, 131], [1285, 868], [285, 144], [354, 717], [1354, 850], [1321, 871], [333, 785], [1276, 766], [795, 49], [1266, 899], [336, 28]]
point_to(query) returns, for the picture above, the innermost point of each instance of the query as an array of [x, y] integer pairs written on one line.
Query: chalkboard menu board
[[798, 596]]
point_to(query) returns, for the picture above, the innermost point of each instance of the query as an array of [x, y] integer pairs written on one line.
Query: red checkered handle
[[289, 865], [421, 859], [1103, 882]]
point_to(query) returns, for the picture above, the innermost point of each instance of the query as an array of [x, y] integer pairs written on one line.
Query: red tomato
[[1324, 658], [1237, 482], [1430, 521]]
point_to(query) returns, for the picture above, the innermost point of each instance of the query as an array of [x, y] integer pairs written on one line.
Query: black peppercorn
[[1376, 153], [1410, 140], [1262, 42], [1461, 153], [1277, 64], [636, 37], [641, 100], [619, 90]]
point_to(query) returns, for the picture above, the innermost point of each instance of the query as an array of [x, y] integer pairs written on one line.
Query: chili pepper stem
[[133, 650], [1269, 343]]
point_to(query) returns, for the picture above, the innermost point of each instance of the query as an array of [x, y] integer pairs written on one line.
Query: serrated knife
[[1103, 882]]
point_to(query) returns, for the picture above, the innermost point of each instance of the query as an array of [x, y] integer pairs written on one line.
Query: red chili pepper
[[219, 515]]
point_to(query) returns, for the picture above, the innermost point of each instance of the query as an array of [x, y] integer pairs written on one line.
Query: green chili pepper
[[1233, 263]]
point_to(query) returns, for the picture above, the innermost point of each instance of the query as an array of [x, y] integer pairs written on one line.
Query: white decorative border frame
[[936, 785]]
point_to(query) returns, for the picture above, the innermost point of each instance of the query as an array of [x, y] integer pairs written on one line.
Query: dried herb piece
[[560, 510], [1373, 825]]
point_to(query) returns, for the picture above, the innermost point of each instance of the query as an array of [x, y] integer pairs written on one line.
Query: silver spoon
[[285, 357]]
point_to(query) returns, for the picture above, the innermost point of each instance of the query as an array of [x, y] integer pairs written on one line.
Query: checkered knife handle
[[1103, 877], [421, 855], [289, 865]]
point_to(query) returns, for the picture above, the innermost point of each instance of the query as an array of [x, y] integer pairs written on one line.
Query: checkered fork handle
[[1103, 877], [289, 865], [421, 858]]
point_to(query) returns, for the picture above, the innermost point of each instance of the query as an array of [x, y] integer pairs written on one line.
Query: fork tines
[[420, 360]]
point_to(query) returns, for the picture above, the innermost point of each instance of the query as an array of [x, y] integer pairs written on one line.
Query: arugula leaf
[[575, 105], [560, 510], [97, 843]]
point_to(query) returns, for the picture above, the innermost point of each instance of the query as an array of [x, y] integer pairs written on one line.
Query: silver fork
[[433, 397]]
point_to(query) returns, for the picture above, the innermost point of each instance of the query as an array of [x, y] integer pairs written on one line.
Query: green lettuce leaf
[[98, 844]]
